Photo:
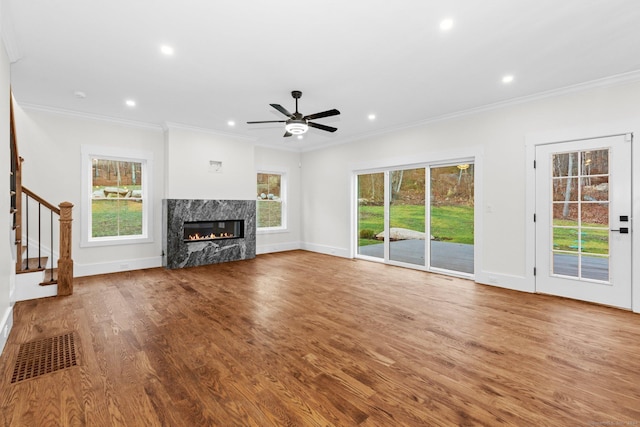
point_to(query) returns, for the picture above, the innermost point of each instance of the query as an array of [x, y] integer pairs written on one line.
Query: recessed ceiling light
[[166, 49], [446, 24], [130, 103], [80, 94], [507, 79], [231, 123], [371, 117]]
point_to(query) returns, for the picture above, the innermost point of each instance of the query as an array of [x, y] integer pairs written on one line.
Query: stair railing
[[21, 217], [53, 210]]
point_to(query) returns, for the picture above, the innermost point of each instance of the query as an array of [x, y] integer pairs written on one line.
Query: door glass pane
[[580, 225], [452, 213], [565, 190], [371, 214], [565, 214], [407, 216], [595, 162], [565, 164], [595, 214], [595, 188], [566, 239]]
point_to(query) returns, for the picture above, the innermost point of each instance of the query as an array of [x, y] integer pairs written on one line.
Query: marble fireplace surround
[[179, 254]]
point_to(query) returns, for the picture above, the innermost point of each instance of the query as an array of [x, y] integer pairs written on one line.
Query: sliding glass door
[[407, 216], [418, 217], [371, 197], [452, 217]]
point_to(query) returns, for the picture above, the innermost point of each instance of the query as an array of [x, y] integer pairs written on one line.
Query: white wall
[[319, 208], [7, 260], [189, 174], [499, 134], [51, 146], [271, 160]]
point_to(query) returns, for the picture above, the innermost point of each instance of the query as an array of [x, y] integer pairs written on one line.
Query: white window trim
[[284, 183], [146, 158]]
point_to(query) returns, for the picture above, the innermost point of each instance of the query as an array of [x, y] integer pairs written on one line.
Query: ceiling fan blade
[[268, 121], [322, 127], [287, 134], [327, 113], [282, 110]]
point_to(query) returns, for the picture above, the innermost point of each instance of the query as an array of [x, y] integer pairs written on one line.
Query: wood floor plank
[[298, 338]]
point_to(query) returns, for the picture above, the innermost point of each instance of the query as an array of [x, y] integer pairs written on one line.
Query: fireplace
[[202, 232], [195, 231]]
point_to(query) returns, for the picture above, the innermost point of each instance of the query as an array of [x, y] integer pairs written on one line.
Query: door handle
[[623, 230]]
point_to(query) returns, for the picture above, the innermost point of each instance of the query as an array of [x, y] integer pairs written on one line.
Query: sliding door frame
[[443, 159]]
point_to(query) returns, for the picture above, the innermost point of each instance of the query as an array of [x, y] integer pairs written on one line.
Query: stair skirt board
[[28, 286]]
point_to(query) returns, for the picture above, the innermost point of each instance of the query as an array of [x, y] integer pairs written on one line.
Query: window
[[116, 207], [270, 207]]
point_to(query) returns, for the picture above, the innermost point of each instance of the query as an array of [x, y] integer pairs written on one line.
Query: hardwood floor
[[298, 338]]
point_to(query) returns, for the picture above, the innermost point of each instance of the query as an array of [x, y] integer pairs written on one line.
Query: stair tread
[[30, 265], [48, 280]]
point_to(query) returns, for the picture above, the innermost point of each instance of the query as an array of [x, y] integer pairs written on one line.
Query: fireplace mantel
[[178, 253]]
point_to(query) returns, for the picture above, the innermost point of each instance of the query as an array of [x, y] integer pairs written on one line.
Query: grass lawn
[[269, 213], [448, 223], [592, 240], [116, 217]]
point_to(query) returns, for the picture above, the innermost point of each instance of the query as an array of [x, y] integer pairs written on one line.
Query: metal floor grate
[[44, 356]]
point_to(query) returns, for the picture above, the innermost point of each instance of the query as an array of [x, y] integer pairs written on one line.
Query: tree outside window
[[270, 201]]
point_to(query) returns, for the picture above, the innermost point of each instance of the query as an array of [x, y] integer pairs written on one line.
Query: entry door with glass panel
[[583, 224]]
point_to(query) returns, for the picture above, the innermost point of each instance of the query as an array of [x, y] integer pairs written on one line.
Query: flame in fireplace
[[211, 236]]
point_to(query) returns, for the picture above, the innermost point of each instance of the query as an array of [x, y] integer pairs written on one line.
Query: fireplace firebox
[[195, 231]]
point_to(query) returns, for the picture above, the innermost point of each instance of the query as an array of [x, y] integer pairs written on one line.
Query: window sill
[[113, 241]]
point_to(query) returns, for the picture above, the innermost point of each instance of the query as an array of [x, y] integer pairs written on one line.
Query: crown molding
[[167, 126], [81, 115], [619, 79], [610, 81], [272, 146]]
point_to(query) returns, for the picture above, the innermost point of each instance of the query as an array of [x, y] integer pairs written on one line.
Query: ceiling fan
[[297, 124]]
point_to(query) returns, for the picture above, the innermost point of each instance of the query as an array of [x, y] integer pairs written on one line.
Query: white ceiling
[[234, 58]]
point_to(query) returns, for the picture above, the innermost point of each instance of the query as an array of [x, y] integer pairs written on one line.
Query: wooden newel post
[[65, 263]]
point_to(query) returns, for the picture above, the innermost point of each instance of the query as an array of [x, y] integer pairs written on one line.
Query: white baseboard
[[327, 250], [6, 323], [80, 270], [278, 247]]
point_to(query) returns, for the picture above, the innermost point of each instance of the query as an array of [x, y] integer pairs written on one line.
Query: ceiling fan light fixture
[[296, 127]]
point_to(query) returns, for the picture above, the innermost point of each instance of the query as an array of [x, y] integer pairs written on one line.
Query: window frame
[[110, 153], [283, 201]]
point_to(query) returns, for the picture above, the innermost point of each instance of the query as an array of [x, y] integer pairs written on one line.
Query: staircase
[[41, 270]]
